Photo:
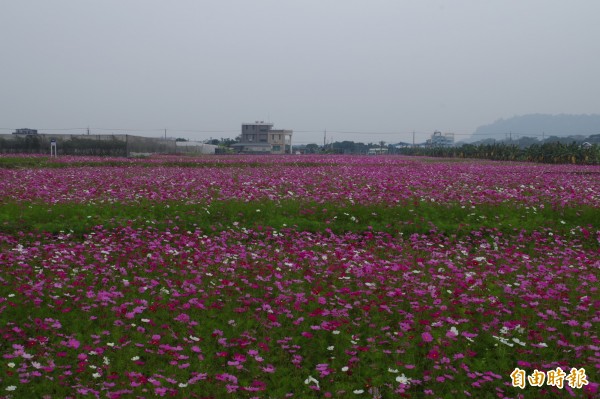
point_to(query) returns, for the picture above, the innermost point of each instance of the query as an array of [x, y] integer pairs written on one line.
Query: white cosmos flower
[[402, 379], [311, 379], [358, 391], [519, 329], [503, 340], [11, 388]]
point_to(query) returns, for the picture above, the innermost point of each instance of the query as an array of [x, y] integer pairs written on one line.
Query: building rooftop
[[258, 123]]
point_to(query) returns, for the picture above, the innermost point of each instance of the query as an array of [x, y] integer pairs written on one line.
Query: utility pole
[[88, 131], [165, 134], [413, 138], [324, 138]]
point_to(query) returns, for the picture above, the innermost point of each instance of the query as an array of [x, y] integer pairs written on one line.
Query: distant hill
[[538, 125]]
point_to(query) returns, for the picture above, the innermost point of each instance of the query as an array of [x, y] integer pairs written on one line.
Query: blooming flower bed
[[271, 312], [388, 181]]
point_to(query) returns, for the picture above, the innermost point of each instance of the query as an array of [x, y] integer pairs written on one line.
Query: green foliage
[[94, 147], [553, 152], [28, 144], [423, 217]]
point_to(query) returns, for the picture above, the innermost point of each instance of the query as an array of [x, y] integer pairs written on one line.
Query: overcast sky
[[201, 68]]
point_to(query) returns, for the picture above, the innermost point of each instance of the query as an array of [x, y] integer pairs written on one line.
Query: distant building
[[194, 147], [377, 151], [25, 131], [261, 138], [439, 139]]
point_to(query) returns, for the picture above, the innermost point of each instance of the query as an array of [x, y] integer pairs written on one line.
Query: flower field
[[298, 277]]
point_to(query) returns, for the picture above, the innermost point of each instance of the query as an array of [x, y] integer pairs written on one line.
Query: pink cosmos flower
[[71, 343], [427, 337], [269, 368], [184, 318]]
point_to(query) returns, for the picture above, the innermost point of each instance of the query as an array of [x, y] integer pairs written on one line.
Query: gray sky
[[376, 66]]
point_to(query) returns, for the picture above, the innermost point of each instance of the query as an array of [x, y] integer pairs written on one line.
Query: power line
[[236, 131], [203, 131], [87, 130], [126, 130], [66, 128]]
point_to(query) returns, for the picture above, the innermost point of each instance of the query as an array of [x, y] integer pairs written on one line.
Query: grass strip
[[451, 219]]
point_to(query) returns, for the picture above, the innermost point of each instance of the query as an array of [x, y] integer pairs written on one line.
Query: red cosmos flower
[[317, 312], [585, 233], [263, 346], [433, 354]]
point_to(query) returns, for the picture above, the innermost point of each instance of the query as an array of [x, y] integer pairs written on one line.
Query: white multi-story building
[[439, 139], [261, 138]]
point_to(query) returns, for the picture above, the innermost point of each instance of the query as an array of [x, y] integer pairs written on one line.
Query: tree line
[[34, 144], [553, 152]]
